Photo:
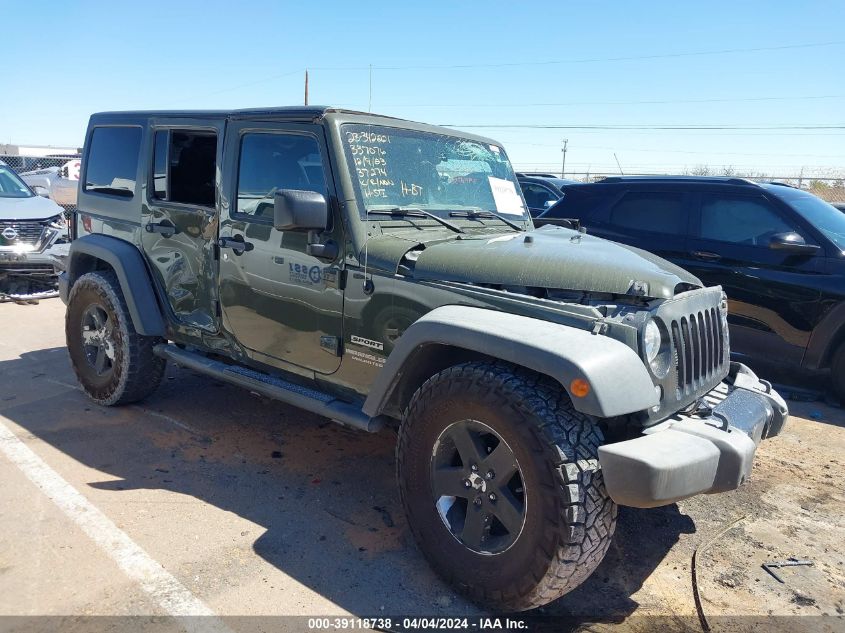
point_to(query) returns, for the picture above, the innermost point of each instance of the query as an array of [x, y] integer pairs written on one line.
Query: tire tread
[[577, 540], [144, 370]]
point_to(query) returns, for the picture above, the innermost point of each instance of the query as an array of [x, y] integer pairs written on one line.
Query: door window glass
[[184, 167], [655, 212], [272, 162], [740, 220], [112, 162]]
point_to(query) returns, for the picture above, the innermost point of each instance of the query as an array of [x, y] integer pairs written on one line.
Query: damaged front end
[[32, 253]]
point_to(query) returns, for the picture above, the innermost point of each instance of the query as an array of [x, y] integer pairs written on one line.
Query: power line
[[238, 86], [584, 103], [590, 60], [703, 127], [680, 151], [609, 162]]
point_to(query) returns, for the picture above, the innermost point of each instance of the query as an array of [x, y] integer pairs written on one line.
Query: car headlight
[[652, 341], [57, 222]]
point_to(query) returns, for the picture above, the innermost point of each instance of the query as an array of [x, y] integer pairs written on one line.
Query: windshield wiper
[[404, 212], [472, 215]]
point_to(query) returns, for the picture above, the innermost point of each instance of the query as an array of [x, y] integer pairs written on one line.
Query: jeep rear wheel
[[500, 480], [113, 363]]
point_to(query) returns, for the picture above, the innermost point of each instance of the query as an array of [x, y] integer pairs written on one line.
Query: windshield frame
[[441, 210], [17, 179]]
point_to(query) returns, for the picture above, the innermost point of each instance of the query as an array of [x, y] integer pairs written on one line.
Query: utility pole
[[563, 162], [306, 86]]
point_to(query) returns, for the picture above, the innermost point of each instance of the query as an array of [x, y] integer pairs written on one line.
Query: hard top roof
[[285, 113]]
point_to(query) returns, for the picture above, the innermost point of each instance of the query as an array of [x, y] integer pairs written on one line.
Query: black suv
[[777, 251], [541, 190]]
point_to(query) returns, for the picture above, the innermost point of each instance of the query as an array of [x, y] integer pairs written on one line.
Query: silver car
[[33, 236]]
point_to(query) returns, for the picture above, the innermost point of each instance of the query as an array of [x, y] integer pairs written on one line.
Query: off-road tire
[[837, 373], [569, 517], [136, 371]]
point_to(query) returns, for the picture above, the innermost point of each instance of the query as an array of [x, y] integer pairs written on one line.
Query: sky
[[493, 68]]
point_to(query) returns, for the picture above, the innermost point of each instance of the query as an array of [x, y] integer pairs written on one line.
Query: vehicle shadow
[[323, 497], [641, 542]]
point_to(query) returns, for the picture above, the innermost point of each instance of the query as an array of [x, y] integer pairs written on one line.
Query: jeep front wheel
[[113, 363], [500, 480]]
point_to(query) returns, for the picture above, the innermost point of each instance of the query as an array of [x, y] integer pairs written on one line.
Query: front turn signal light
[[579, 388]]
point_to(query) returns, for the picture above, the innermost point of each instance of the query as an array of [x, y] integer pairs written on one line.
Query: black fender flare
[[619, 382], [128, 264], [827, 335]]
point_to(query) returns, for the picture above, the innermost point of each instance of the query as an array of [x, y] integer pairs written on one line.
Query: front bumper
[[44, 262], [708, 451]]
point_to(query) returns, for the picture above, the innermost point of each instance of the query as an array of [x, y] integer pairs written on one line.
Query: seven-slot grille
[[698, 342], [27, 232]]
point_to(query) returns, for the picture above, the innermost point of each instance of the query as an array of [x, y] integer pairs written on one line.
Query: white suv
[[33, 232]]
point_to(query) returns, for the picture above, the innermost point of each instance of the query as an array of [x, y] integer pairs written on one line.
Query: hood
[[555, 258], [34, 208]]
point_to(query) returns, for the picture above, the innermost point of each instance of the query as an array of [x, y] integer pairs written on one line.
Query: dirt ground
[[259, 508]]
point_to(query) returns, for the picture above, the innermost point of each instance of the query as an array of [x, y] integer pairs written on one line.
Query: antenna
[[618, 165], [370, 102], [306, 86]]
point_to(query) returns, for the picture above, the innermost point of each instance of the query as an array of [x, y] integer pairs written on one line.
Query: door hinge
[[330, 344]]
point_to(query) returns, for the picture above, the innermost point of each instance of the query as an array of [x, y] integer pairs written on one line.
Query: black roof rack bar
[[723, 179]]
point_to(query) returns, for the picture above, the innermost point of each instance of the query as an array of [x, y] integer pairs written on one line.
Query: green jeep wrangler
[[381, 273]]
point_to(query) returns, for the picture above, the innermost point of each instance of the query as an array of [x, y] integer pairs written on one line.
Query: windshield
[[11, 186], [435, 172], [825, 217]]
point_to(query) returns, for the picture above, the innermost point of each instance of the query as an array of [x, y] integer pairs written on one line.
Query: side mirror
[[791, 242], [41, 191], [549, 203], [296, 210]]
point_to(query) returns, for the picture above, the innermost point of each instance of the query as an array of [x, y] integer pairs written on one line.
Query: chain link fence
[[56, 176], [828, 188], [28, 275]]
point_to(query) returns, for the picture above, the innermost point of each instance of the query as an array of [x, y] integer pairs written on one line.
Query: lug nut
[[477, 501], [492, 496], [467, 483], [490, 474], [473, 468]]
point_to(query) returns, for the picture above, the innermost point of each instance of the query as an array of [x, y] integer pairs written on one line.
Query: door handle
[[165, 227], [706, 256], [236, 243]]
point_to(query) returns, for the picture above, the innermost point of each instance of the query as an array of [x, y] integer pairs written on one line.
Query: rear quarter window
[[576, 203], [112, 161], [653, 212]]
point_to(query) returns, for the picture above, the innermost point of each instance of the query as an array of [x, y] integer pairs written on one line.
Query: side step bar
[[273, 387]]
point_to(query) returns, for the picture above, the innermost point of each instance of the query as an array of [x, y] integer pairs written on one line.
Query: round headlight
[[652, 340]]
